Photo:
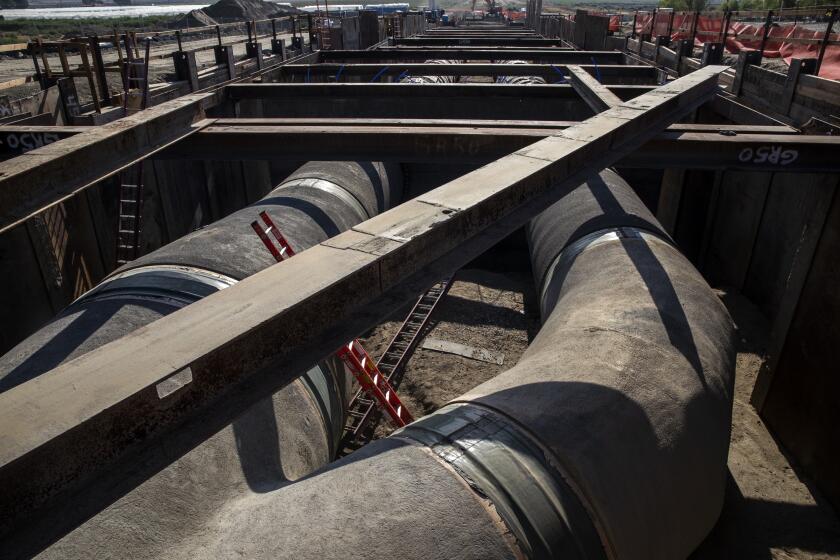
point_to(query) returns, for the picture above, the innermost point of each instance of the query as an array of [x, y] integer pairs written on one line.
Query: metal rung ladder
[[396, 26], [129, 214], [360, 364], [130, 205], [323, 28], [363, 415], [136, 77]]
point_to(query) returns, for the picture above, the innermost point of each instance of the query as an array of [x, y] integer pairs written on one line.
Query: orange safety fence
[[782, 40], [615, 20]]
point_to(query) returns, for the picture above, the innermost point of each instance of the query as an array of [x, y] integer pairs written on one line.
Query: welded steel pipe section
[[282, 437], [607, 440]]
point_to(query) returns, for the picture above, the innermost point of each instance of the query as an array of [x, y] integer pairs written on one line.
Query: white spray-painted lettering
[[72, 105], [774, 155], [26, 141]]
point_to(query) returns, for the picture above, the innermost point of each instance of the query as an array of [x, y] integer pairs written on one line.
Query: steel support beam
[[611, 74], [597, 96], [405, 54], [405, 92], [82, 433], [468, 101], [678, 148], [47, 175], [515, 42]]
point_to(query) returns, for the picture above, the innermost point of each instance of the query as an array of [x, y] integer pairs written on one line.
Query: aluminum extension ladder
[[130, 205], [354, 356]]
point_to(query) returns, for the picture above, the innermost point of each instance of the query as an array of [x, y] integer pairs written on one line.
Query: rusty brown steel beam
[[686, 146], [612, 74]]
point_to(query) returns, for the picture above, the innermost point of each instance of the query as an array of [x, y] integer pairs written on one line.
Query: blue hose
[[597, 71], [379, 74]]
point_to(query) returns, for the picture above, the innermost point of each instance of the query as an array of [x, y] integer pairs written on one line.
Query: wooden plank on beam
[[596, 95], [245, 342]]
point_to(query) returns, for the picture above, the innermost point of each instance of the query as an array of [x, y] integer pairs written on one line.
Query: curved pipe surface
[[519, 80], [282, 437], [608, 439], [433, 79]]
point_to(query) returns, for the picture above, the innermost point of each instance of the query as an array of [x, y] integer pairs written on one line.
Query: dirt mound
[[238, 10], [194, 18]]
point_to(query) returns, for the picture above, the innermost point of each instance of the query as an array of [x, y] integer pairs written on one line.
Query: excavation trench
[[607, 440]]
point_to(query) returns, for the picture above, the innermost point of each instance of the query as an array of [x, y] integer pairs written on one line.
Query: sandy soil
[[770, 510], [484, 310]]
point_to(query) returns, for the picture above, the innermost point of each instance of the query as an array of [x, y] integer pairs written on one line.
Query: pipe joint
[[502, 463], [329, 187], [178, 286], [565, 258]]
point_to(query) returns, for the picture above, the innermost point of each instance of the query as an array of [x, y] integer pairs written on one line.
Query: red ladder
[[363, 415], [285, 251], [372, 380], [356, 358]]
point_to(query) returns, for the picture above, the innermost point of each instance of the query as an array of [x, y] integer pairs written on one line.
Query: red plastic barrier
[[644, 24], [615, 23], [709, 29], [777, 47]]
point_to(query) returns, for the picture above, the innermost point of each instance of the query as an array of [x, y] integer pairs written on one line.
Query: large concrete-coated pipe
[[433, 79], [519, 80], [607, 440], [283, 437]]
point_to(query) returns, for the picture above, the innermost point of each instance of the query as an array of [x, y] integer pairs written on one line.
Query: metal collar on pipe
[[177, 285], [548, 295], [331, 188], [502, 462]]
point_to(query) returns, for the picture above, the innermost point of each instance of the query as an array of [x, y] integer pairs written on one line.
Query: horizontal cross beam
[[539, 56], [465, 101], [519, 42], [685, 146], [609, 73]]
